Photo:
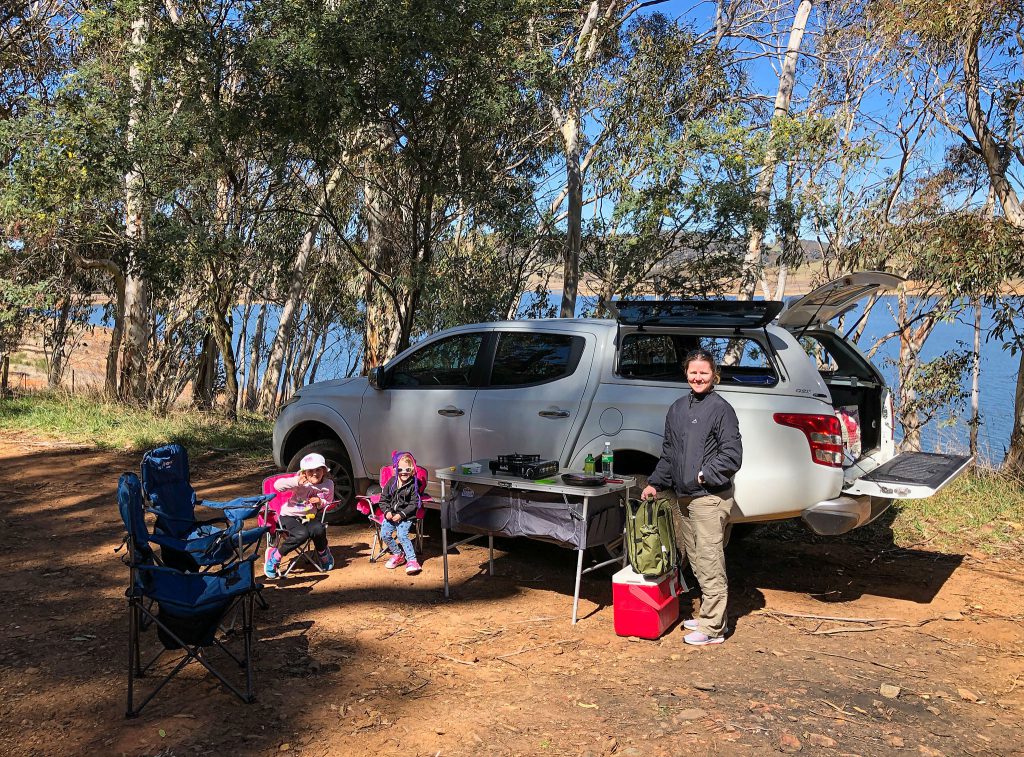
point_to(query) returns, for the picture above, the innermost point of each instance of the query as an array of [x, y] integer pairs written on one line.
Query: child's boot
[[326, 559], [272, 563]]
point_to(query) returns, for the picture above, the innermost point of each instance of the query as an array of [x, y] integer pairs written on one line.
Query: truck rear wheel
[[341, 471]]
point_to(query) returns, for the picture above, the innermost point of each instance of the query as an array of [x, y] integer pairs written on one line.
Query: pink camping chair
[[369, 505], [270, 516]]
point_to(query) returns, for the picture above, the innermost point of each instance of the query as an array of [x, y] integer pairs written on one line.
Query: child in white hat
[[312, 490]]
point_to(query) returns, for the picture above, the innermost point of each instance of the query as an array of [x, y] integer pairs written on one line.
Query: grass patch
[[107, 425], [982, 510]]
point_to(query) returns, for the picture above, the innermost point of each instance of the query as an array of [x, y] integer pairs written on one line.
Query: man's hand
[[649, 492]]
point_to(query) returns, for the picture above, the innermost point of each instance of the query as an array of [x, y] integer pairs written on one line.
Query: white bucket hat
[[312, 461]]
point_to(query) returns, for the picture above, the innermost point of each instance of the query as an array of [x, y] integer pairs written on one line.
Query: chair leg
[[377, 547], [133, 656], [248, 621], [419, 536]]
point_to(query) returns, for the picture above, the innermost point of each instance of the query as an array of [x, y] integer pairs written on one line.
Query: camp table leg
[[579, 562], [444, 540]]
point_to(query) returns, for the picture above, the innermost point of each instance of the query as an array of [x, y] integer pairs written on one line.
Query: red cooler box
[[644, 607]]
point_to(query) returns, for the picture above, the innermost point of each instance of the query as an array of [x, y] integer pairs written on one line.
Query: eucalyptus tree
[[447, 130], [972, 50], [665, 98]]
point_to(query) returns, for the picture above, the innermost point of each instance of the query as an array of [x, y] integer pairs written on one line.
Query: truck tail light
[[823, 433]]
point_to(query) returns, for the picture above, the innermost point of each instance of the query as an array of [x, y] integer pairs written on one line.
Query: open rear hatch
[[912, 475], [835, 298]]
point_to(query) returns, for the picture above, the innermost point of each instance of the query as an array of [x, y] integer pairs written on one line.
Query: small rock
[[439, 731], [933, 710], [674, 656], [967, 695], [895, 741], [889, 691], [789, 743], [929, 752], [285, 747], [818, 739], [693, 713], [952, 617], [703, 685]]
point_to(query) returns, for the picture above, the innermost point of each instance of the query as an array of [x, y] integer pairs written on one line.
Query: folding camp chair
[[186, 608], [369, 505], [270, 517], [165, 478]]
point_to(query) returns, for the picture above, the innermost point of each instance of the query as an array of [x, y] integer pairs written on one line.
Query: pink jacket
[[298, 504]]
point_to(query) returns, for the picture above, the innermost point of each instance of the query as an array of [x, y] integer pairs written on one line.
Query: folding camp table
[[499, 504]]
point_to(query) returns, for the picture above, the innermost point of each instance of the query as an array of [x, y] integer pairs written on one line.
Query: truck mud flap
[[912, 475]]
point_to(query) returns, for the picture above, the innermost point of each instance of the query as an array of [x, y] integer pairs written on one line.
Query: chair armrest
[[238, 502]]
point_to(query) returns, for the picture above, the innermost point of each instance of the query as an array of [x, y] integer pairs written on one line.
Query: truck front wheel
[[341, 472]]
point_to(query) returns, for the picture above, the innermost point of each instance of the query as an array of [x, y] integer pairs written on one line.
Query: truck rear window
[[659, 357]]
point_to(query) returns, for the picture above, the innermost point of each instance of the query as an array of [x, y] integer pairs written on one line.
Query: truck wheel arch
[[318, 422]]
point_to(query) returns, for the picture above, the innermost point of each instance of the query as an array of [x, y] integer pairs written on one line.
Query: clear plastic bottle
[[607, 458]]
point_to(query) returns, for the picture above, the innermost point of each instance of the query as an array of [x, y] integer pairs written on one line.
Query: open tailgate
[[912, 475]]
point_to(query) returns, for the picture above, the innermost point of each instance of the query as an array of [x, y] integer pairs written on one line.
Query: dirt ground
[[369, 661]]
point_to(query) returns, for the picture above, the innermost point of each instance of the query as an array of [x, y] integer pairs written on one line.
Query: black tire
[[737, 532], [341, 471], [611, 551]]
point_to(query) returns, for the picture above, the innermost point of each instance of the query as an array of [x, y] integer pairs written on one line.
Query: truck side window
[[523, 358], [659, 357], [448, 362]]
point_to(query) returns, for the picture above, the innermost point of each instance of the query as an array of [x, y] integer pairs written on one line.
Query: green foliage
[[22, 301], [936, 387], [106, 425]]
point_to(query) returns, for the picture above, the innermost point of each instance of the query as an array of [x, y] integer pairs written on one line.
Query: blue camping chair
[[185, 542], [187, 609]]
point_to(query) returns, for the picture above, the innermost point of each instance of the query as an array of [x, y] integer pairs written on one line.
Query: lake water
[[998, 370]]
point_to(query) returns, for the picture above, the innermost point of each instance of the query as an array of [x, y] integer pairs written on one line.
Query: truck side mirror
[[377, 378]]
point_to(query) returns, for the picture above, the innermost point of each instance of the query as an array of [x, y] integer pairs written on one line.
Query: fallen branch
[[824, 617], [867, 662], [873, 628], [415, 688], [455, 659], [836, 717], [531, 648], [837, 708]]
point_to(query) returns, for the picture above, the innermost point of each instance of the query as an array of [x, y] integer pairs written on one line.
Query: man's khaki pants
[[699, 524]]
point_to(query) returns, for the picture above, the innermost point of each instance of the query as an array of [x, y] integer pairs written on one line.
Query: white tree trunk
[[133, 382], [751, 271], [293, 302], [975, 379]]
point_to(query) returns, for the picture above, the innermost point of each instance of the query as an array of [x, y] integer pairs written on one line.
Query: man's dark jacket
[[702, 435]]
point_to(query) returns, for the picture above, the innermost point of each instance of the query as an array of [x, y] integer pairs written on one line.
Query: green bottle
[[606, 460], [588, 464]]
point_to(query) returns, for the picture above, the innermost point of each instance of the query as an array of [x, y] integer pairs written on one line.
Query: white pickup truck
[[815, 415]]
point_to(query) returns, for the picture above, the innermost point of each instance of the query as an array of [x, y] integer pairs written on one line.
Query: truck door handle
[[451, 412], [553, 413]]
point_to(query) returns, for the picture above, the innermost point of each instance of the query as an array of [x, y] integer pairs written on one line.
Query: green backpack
[[650, 539]]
